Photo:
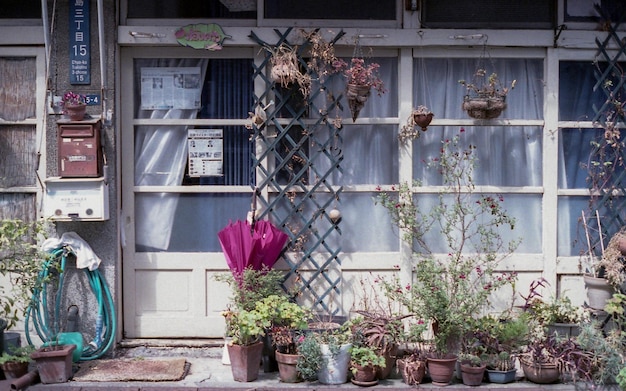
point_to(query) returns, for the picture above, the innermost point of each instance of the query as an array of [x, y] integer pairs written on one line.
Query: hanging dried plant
[[285, 69]]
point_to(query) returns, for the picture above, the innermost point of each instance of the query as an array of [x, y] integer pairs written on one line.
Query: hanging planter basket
[[357, 96], [484, 107], [417, 122]]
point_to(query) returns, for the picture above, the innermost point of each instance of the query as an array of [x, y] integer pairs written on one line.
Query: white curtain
[[160, 160]]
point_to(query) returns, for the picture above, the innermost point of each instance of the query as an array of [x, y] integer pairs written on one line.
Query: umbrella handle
[[253, 209]]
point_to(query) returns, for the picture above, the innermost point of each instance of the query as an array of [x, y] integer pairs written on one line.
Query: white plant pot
[[336, 369], [598, 292]]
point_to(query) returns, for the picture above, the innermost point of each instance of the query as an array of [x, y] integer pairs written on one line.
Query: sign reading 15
[[80, 50]]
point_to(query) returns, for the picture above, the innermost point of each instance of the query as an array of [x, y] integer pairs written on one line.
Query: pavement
[[208, 372]]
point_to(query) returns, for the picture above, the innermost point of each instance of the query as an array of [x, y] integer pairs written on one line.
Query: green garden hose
[[47, 322]]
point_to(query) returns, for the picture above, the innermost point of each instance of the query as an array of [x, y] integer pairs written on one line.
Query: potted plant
[[364, 362], [325, 355], [54, 362], [557, 315], [412, 366], [381, 332], [361, 79], [418, 120], [285, 69], [74, 105], [473, 368], [485, 96], [546, 358], [465, 219], [501, 368], [245, 348], [606, 350], [287, 320], [15, 363]]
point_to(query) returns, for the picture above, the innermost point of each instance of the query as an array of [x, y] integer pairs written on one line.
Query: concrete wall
[[101, 236]]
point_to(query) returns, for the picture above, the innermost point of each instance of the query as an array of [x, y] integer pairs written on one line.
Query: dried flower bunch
[[322, 58], [285, 68], [73, 99], [612, 260]]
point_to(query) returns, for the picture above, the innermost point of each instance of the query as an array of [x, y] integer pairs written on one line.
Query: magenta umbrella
[[254, 247]]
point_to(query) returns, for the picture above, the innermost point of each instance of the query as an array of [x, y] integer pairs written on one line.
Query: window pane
[[529, 14], [18, 83], [370, 156], [577, 96], [330, 9], [18, 156], [194, 225], [18, 9], [169, 9], [507, 156], [436, 85], [385, 105]]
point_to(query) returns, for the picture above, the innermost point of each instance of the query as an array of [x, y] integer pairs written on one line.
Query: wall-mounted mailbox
[[77, 199], [79, 148]]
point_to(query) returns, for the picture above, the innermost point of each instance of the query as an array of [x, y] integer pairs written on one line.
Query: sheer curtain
[[507, 155], [160, 159]]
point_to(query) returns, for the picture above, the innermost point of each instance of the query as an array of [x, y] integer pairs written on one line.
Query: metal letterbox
[[77, 199], [80, 152]]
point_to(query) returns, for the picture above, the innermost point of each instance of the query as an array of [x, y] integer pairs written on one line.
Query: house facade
[[174, 155]]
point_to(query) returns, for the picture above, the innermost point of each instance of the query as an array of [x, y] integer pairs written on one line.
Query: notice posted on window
[[170, 88]]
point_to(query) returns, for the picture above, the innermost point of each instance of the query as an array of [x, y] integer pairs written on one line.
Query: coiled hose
[[40, 313]]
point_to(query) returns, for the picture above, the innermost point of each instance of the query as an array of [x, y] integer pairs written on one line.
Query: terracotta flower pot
[[76, 112], [287, 370], [15, 370], [441, 370], [245, 361], [540, 373], [472, 376], [54, 363], [364, 374]]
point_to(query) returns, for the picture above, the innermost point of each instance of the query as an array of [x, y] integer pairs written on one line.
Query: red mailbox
[[80, 151]]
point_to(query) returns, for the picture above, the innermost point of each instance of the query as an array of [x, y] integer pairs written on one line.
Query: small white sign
[[206, 152]]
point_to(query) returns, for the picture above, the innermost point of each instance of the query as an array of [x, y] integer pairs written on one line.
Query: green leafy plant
[[447, 290], [363, 356], [17, 354], [606, 351], [245, 327], [251, 286], [310, 357], [21, 260]]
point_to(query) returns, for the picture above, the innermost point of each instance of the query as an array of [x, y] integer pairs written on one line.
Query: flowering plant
[[448, 290], [245, 327], [73, 99], [486, 86], [364, 75]]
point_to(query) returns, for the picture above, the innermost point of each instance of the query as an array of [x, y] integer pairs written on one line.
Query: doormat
[[133, 369]]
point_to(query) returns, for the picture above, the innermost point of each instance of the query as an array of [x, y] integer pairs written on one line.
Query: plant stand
[[245, 361], [54, 363]]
